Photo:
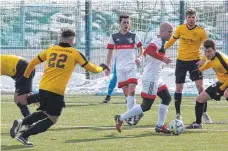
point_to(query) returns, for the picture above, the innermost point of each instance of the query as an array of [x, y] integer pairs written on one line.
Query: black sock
[[205, 107], [199, 112], [24, 109], [227, 99], [33, 98], [177, 97], [39, 127], [34, 117]]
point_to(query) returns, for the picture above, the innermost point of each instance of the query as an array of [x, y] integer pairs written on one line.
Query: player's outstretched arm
[[31, 66]]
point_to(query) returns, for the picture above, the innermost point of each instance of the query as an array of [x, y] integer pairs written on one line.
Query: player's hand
[[104, 66], [218, 95], [138, 61], [166, 60], [200, 63]]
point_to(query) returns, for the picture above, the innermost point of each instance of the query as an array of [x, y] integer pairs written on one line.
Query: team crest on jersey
[[117, 39], [130, 40]]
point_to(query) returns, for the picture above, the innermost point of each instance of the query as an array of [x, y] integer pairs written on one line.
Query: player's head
[[166, 30], [191, 16], [68, 36], [209, 49], [124, 22]]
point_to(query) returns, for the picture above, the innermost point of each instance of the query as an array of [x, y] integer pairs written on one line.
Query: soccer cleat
[[162, 129], [137, 118], [194, 125], [129, 121], [178, 116], [207, 118], [107, 99], [15, 128], [118, 123], [24, 140]]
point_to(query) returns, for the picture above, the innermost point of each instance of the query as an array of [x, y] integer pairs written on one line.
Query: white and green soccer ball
[[176, 127]]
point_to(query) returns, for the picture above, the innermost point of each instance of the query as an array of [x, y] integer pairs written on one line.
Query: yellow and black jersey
[[9, 64], [220, 65], [60, 63], [190, 42]]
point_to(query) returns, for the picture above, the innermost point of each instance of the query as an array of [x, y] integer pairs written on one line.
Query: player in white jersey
[[124, 42], [152, 85]]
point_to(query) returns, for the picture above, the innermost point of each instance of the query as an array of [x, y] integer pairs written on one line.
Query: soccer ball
[[176, 127]]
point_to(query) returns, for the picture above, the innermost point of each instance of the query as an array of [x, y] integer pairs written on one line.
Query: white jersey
[[153, 66], [125, 46]]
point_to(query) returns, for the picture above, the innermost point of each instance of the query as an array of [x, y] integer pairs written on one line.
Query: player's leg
[[180, 74], [164, 94], [204, 96], [54, 105], [226, 94], [111, 86], [149, 91], [198, 78]]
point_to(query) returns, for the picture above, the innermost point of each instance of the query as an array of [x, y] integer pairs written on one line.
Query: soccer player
[[124, 43], [14, 67], [152, 84], [191, 36], [219, 63], [112, 85], [60, 63]]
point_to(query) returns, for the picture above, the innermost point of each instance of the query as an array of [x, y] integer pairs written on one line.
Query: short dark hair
[[209, 43], [68, 33], [190, 11], [123, 16]]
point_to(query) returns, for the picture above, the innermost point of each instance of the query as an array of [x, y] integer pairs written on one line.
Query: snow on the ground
[[78, 84]]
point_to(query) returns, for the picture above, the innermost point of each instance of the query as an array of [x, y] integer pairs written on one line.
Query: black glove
[[218, 95], [104, 66]]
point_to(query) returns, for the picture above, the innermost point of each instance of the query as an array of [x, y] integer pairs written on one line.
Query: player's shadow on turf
[[113, 137], [14, 147], [82, 104]]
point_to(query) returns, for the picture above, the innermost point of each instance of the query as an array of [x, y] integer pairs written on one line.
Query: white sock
[[162, 112], [136, 110], [130, 102]]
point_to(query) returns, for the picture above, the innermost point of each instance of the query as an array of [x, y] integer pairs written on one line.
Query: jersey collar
[[64, 45]]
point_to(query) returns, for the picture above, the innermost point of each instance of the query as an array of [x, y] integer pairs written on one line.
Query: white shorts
[[151, 88], [124, 77]]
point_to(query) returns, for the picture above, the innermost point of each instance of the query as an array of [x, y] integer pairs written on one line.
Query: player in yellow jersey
[[191, 37], [219, 63], [60, 63], [14, 67]]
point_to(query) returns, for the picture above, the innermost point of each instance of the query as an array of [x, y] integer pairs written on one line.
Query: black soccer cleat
[[107, 99], [15, 128], [24, 141]]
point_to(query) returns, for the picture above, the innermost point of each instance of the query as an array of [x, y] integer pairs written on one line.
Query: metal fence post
[[88, 31], [22, 21], [182, 15]]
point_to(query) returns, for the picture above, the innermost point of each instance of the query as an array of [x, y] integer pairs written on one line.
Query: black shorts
[[211, 90], [27, 86], [181, 71], [51, 102]]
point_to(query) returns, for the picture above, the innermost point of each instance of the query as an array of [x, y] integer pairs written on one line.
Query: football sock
[[162, 112], [24, 109], [199, 112], [33, 98], [205, 107], [136, 110], [130, 102], [34, 117], [39, 127], [177, 97], [112, 85]]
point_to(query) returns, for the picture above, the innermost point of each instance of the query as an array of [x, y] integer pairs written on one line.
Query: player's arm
[[206, 66], [173, 39], [224, 85], [139, 46], [37, 60], [152, 51], [80, 59], [110, 47]]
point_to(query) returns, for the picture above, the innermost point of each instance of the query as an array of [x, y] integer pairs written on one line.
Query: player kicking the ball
[[152, 84]]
